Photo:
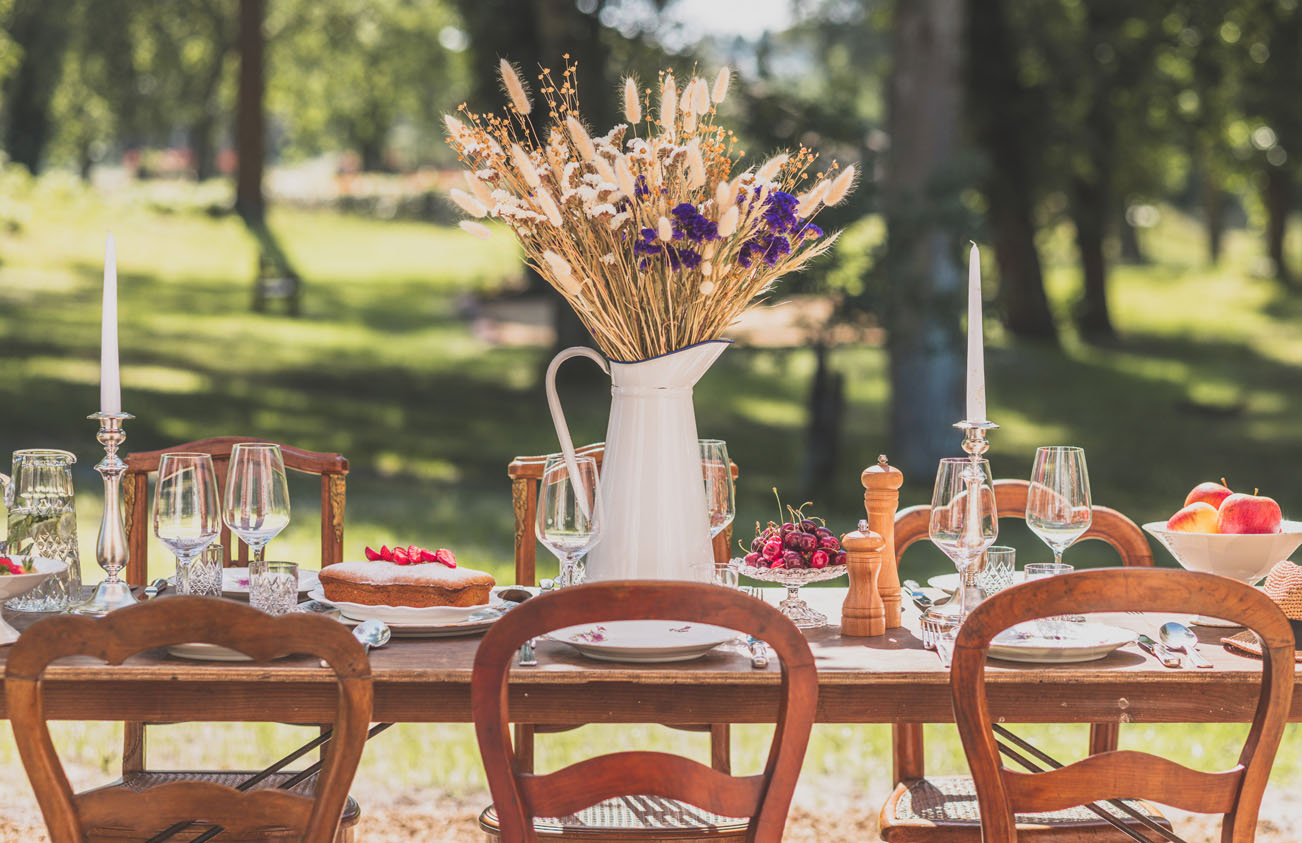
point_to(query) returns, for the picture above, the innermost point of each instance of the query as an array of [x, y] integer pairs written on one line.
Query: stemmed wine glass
[[720, 494], [1058, 507], [186, 514], [257, 495], [964, 522], [566, 527]]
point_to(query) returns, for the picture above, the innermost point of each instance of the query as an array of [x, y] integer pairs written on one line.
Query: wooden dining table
[[861, 680]]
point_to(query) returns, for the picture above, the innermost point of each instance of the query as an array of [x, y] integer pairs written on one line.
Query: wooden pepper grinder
[[863, 614], [881, 499]]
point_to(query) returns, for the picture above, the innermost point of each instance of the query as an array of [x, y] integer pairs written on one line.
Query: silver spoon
[[155, 588], [372, 633], [1177, 636]]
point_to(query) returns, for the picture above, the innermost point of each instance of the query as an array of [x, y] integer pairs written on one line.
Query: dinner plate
[[1079, 642], [643, 642], [948, 583], [207, 652], [427, 616], [437, 630], [235, 582]]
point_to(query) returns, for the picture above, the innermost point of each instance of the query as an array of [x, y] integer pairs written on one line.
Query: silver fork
[[529, 658], [935, 636], [759, 651]]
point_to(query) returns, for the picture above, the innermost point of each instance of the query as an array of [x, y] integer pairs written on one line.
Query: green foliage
[[364, 75]]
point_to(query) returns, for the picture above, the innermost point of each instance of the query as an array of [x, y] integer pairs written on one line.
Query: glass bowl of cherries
[[796, 552]]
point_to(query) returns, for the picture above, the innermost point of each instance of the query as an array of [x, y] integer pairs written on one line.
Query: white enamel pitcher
[[655, 523]]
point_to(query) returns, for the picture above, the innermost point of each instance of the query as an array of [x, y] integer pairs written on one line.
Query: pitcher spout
[[675, 370]]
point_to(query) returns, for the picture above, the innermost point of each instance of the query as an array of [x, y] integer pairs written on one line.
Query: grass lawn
[[382, 368]]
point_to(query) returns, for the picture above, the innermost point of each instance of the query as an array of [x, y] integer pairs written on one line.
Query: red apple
[[1242, 513], [1212, 493], [1198, 517]]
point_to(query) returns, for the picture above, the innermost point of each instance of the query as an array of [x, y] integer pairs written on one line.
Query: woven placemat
[[1246, 642]]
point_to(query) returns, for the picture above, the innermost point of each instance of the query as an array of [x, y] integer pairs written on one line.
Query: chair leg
[[721, 747], [1104, 737]]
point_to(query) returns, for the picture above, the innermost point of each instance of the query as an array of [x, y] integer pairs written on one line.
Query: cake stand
[[14, 585], [793, 607]]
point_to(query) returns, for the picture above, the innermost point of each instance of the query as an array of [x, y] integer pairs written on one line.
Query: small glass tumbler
[[273, 587], [203, 576], [1054, 626], [998, 572], [727, 576]]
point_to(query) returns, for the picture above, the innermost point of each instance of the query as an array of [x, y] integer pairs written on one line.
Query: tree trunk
[[994, 90], [1214, 216], [40, 30], [250, 126], [924, 101], [1278, 198], [1131, 250], [201, 147], [826, 409], [1089, 212]]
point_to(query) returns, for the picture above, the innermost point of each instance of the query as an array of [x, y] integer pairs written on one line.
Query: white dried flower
[[707, 287], [604, 170], [624, 177], [605, 209], [618, 220], [567, 175], [689, 122], [478, 188], [632, 106], [561, 272], [581, 139], [809, 201], [721, 85], [695, 164], [728, 222], [840, 187], [544, 199], [468, 203], [685, 104], [514, 87], [668, 104], [525, 166], [771, 167], [700, 96], [608, 259], [665, 230], [707, 267], [722, 195], [475, 229], [454, 126]]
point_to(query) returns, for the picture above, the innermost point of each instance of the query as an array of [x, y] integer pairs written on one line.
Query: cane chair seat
[[631, 818], [140, 781], [943, 809]]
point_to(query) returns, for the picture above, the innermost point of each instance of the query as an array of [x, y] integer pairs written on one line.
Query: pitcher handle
[[558, 416], [7, 498]]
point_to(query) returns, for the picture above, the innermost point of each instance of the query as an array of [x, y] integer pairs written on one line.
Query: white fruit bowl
[[15, 585], [1245, 557]]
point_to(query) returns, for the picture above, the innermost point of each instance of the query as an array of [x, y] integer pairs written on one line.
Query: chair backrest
[[332, 468], [1108, 524], [526, 475], [520, 796], [1236, 792], [179, 620]]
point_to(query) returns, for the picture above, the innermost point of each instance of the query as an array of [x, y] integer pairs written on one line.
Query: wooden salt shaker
[[881, 499], [862, 614]]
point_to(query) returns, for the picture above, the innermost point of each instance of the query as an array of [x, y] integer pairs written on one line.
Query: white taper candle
[[110, 383], [976, 367]]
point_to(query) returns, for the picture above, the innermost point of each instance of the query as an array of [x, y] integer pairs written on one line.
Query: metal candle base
[[111, 550]]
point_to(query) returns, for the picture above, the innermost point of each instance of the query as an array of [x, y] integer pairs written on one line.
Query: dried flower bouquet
[[645, 230]]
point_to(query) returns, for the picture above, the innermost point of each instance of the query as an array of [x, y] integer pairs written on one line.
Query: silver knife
[[920, 600], [1159, 651]]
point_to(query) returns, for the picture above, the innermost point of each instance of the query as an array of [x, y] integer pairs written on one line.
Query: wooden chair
[[526, 477], [571, 800], [310, 813], [333, 471], [1236, 792], [943, 809]]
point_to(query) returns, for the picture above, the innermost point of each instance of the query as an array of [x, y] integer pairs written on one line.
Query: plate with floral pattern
[[643, 642]]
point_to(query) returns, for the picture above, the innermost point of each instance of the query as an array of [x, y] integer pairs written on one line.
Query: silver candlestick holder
[[969, 594], [111, 550]]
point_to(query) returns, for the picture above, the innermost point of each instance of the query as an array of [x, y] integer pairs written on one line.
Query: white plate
[[235, 582], [948, 583], [1082, 642], [408, 615], [439, 630], [643, 642], [207, 653]]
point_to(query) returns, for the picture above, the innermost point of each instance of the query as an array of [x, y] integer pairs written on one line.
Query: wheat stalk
[[646, 231]]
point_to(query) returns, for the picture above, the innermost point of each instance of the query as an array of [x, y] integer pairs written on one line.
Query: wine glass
[[257, 495], [186, 515], [720, 494], [1058, 508], [564, 526], [964, 522]]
